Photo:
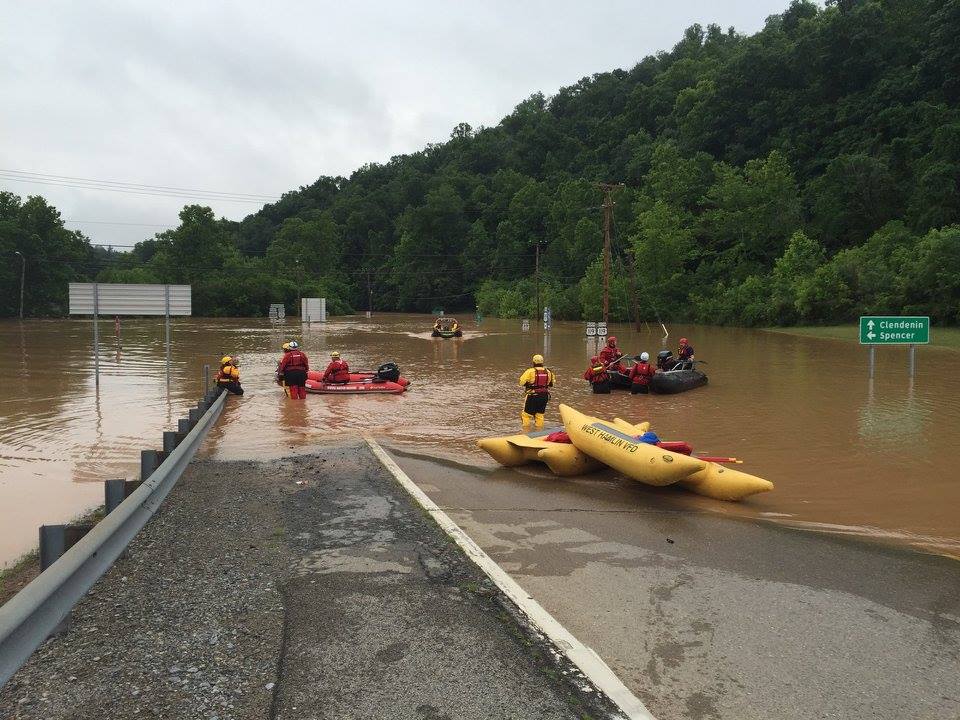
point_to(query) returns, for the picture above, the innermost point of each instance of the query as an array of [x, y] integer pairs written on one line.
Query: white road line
[[590, 664]]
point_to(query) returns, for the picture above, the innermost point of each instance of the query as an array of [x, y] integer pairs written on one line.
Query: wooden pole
[[607, 189]]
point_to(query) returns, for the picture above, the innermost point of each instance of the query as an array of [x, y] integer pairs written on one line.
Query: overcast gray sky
[[260, 98]]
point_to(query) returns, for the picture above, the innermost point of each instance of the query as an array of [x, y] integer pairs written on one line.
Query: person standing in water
[[293, 369], [228, 377], [597, 376], [536, 382], [640, 374]]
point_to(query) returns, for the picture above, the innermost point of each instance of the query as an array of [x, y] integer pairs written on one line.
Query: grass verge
[[14, 578], [944, 337]]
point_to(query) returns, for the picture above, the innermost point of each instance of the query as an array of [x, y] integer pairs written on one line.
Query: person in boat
[[536, 383], [436, 325], [293, 369], [228, 377], [685, 354], [640, 374], [337, 372], [610, 356], [597, 376]]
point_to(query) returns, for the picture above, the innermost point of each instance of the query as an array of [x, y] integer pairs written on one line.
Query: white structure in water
[[313, 310]]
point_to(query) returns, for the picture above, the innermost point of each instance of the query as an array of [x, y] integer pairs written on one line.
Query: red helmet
[[611, 340], [683, 341]]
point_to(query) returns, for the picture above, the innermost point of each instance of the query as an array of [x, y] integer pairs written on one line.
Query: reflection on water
[[846, 457], [896, 417]]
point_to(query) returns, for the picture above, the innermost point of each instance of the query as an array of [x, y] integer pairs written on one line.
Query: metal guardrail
[[35, 612]]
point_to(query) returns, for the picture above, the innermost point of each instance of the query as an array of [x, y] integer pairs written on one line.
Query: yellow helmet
[[226, 360], [538, 359], [335, 354], [285, 347]]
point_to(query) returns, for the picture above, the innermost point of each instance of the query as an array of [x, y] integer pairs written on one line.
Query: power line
[[110, 222], [123, 191], [138, 186]]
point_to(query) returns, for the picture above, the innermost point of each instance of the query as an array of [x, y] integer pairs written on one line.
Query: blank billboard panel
[[124, 299]]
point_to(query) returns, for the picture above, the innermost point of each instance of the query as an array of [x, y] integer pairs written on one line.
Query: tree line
[[807, 173]]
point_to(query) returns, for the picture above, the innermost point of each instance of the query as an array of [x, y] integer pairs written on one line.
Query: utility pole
[[23, 275], [607, 189], [536, 275], [631, 258]]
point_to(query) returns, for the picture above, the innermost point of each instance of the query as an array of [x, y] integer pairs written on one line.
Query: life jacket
[[541, 382], [228, 374], [685, 352], [337, 372], [641, 373], [609, 355], [596, 374], [294, 360]]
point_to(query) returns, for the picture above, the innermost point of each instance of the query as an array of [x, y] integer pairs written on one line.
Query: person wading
[[337, 372], [536, 382], [228, 377], [293, 369], [640, 374], [597, 376]]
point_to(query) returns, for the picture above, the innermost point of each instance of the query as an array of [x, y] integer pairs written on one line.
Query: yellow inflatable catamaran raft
[[563, 459], [606, 442]]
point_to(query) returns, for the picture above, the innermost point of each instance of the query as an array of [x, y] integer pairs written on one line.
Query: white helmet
[[294, 344], [644, 357]]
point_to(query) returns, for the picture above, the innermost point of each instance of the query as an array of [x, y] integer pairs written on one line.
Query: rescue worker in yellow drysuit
[[536, 382]]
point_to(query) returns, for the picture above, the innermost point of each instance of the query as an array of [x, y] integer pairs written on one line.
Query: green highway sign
[[894, 330]]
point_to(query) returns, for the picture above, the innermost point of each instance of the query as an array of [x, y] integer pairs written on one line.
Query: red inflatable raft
[[357, 387], [358, 377], [385, 379]]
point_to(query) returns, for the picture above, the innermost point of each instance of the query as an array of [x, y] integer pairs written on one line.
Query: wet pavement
[[707, 617], [309, 586]]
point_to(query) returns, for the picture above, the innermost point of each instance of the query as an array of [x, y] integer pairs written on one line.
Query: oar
[[717, 459]]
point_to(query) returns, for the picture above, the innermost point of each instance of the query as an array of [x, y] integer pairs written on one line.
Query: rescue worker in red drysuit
[[610, 356], [536, 382], [337, 372], [640, 374], [597, 376], [293, 369], [685, 354]]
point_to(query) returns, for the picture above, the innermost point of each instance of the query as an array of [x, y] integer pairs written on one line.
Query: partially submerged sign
[[129, 299], [894, 330]]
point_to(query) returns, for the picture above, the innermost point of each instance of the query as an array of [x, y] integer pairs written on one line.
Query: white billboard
[[128, 299], [313, 309]]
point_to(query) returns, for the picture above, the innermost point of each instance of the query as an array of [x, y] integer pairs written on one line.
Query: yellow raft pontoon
[[609, 444], [563, 459]]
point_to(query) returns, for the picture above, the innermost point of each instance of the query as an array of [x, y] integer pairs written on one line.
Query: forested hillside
[[807, 173]]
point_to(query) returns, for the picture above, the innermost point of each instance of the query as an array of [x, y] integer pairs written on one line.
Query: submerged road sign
[[894, 330]]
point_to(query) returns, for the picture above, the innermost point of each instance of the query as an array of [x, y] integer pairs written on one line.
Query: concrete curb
[[589, 663]]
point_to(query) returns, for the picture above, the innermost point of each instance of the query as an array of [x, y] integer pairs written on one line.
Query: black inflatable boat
[[676, 381]]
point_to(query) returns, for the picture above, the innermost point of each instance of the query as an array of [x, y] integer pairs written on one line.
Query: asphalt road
[[302, 588], [711, 617]]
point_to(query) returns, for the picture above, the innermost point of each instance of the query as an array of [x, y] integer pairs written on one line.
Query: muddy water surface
[[848, 456]]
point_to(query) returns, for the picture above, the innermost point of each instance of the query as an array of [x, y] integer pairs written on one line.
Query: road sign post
[[909, 330]]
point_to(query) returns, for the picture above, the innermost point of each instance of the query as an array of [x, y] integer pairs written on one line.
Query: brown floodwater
[[847, 455]]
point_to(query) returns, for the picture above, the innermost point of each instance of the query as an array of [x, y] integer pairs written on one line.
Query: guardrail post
[[194, 416], [183, 426], [114, 493], [170, 441], [149, 462], [52, 544]]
